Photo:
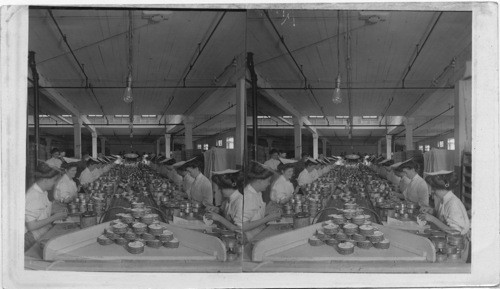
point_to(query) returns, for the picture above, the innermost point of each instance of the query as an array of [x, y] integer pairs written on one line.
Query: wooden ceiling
[[379, 51]]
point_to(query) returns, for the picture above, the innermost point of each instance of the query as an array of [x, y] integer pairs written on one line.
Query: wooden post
[[167, 145], [297, 131], [94, 145], [315, 145], [388, 146], [240, 135], [188, 135], [77, 136], [409, 123]]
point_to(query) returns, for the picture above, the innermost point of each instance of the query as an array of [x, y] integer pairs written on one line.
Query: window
[[316, 116], [66, 115], [342, 116], [205, 147], [370, 117], [451, 144], [198, 146], [427, 148], [287, 116], [95, 115], [263, 116], [43, 115], [441, 144], [121, 115], [230, 142], [148, 115], [421, 148], [219, 143]]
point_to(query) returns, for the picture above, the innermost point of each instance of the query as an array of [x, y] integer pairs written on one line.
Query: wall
[[433, 142], [147, 148], [212, 140]]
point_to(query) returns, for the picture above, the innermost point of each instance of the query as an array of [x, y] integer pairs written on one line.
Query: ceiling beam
[[277, 99], [65, 104]]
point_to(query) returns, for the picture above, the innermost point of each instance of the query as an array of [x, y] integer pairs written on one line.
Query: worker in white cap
[[282, 189], [451, 214], [229, 183]]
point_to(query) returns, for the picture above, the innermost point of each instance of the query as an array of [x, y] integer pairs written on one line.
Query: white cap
[[224, 172], [287, 161], [440, 172]]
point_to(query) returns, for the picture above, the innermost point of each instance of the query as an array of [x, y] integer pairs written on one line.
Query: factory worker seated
[[201, 189], [187, 179], [282, 189], [55, 160], [255, 213], [305, 176], [314, 173], [417, 190], [171, 172], [38, 213], [229, 183], [401, 179], [450, 215], [66, 189], [274, 161]]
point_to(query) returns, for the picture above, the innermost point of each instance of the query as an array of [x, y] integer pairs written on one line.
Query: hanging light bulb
[[127, 95], [337, 94]]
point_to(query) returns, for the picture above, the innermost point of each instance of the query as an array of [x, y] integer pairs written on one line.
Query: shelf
[[467, 195]]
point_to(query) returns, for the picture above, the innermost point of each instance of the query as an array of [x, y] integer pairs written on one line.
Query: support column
[[167, 145], [297, 132], [188, 136], [463, 123], [379, 146], [409, 123], [324, 147], [388, 147], [48, 145], [94, 145], [103, 146], [77, 136], [315, 145], [240, 135]]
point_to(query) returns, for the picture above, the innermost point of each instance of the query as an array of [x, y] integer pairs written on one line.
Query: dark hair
[[54, 150], [170, 162], [409, 165], [273, 151], [44, 171], [310, 163], [257, 172], [228, 181], [283, 167], [68, 166], [442, 182]]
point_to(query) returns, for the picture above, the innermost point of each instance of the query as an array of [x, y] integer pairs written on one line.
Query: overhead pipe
[[306, 85], [359, 88], [325, 125], [34, 72], [259, 88], [433, 118], [419, 49], [87, 84], [189, 68], [212, 117], [203, 48], [255, 124]]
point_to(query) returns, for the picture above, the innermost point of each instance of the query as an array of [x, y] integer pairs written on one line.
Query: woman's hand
[[427, 217], [60, 215], [274, 216], [213, 216], [212, 209], [427, 210]]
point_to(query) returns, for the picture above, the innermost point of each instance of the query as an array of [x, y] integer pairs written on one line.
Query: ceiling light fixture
[[337, 94], [127, 95]]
